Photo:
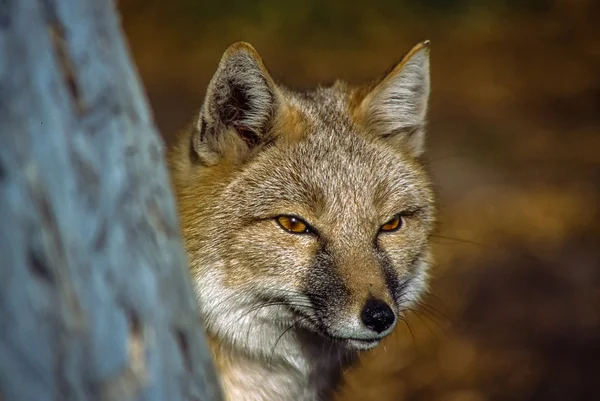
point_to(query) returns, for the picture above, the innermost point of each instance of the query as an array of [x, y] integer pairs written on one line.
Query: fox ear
[[239, 106], [396, 107]]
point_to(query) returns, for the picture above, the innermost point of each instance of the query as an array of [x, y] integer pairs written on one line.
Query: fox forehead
[[333, 169], [325, 104]]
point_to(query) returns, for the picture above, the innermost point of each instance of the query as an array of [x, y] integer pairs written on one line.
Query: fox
[[306, 218]]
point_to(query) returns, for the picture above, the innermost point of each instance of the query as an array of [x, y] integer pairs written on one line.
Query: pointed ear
[[395, 108], [239, 107]]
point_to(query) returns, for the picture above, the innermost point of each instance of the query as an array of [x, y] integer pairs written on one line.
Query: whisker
[[431, 318], [281, 336], [429, 294], [330, 348], [257, 308], [434, 311], [421, 303], [304, 295], [462, 240], [433, 333], [282, 303], [439, 159], [412, 335]]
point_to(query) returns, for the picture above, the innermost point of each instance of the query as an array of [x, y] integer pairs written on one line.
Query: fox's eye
[[393, 224], [293, 224]]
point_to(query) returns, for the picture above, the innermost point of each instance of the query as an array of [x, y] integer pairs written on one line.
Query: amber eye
[[293, 224], [393, 224]]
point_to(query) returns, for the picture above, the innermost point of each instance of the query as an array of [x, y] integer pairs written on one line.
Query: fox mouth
[[362, 344], [347, 334], [352, 343], [309, 319], [355, 343], [358, 344]]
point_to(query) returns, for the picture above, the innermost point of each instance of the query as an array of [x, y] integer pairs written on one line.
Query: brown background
[[514, 148]]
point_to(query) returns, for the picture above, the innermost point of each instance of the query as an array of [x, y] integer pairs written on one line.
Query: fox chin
[[306, 218]]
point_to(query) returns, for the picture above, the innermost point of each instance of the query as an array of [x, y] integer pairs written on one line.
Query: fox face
[[306, 210]]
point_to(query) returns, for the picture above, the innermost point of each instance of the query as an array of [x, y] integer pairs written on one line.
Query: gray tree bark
[[95, 298]]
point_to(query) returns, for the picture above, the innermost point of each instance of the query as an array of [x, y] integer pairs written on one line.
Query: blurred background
[[514, 150]]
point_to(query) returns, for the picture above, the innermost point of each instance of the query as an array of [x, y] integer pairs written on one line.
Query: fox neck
[[261, 353], [301, 366]]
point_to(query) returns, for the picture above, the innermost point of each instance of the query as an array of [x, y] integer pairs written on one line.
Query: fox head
[[308, 209]]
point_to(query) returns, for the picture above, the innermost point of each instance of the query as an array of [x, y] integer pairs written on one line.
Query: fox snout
[[365, 329], [358, 296], [378, 316]]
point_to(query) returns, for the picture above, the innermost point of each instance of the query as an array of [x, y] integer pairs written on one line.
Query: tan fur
[[285, 312]]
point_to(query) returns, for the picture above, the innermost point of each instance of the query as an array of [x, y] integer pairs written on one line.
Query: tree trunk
[[95, 298]]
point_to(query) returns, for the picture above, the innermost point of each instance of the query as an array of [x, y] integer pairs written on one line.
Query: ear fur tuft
[[396, 107], [238, 108]]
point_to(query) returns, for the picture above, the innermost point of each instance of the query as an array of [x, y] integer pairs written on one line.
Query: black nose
[[377, 315]]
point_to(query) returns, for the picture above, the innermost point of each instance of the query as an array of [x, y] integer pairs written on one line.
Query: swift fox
[[306, 219]]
